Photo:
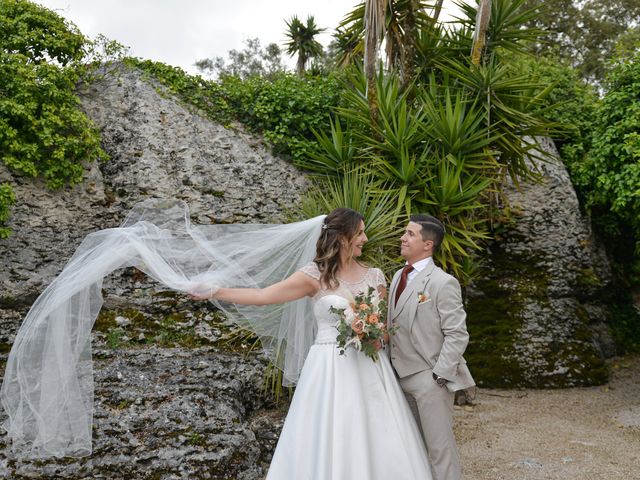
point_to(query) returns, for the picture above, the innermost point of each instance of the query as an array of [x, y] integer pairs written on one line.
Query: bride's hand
[[203, 291]]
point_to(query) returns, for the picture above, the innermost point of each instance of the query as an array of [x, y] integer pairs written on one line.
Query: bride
[[348, 418]]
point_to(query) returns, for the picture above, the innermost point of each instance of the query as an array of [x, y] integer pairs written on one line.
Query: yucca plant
[[510, 104], [454, 122], [401, 25], [429, 154], [432, 44], [441, 143], [301, 41], [337, 152], [456, 194]]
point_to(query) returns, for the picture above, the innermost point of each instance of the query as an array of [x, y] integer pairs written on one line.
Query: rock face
[[158, 148], [536, 314], [170, 414], [168, 403]]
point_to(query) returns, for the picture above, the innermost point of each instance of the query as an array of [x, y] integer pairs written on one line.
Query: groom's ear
[[428, 245]]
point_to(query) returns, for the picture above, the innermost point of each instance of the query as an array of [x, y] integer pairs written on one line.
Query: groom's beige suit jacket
[[431, 303]]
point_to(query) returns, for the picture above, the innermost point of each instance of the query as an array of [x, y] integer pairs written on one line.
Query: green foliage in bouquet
[[362, 325]]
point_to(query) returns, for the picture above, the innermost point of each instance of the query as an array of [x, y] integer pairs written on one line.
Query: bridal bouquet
[[362, 325]]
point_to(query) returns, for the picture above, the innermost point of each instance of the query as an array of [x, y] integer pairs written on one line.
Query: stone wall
[[158, 148], [536, 314]]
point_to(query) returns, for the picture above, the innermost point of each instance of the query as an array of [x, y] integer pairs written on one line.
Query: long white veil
[[47, 390]]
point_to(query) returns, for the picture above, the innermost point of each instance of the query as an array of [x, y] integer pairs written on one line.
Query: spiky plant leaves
[[336, 153]]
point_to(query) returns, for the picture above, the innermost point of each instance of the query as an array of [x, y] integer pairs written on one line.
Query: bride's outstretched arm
[[296, 286]]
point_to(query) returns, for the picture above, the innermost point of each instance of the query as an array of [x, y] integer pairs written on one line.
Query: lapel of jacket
[[392, 294], [408, 299]]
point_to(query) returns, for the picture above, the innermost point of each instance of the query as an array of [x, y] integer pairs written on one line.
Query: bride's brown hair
[[342, 224]]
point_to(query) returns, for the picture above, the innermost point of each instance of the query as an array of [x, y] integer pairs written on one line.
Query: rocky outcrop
[[170, 413], [536, 314], [158, 148], [168, 403]]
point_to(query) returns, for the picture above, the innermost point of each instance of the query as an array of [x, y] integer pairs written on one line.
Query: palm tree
[[374, 27], [480, 34], [398, 22], [437, 8], [302, 41]]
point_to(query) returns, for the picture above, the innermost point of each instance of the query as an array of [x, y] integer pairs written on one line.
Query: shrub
[[43, 133], [284, 108]]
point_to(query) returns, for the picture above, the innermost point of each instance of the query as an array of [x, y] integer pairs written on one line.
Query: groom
[[425, 306]]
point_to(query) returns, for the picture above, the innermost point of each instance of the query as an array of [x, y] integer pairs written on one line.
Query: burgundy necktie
[[403, 280]]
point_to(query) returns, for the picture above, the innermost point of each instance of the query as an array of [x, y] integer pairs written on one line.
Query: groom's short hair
[[432, 228]]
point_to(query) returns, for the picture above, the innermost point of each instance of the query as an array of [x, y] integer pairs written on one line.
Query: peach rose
[[373, 318], [363, 306], [358, 326]]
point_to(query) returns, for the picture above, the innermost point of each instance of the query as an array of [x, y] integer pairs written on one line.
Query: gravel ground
[[578, 433]]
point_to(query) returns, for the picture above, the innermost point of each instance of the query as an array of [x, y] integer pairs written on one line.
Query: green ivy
[[7, 199], [609, 176], [285, 109], [38, 33], [43, 132], [571, 103]]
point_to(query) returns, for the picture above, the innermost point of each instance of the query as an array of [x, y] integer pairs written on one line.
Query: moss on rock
[[523, 336]]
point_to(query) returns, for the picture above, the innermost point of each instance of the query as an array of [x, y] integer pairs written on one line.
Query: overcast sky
[[179, 32]]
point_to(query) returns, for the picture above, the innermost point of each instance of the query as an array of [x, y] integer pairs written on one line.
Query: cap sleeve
[[378, 277], [312, 270]]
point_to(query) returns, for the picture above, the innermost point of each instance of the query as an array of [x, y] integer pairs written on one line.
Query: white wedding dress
[[348, 418]]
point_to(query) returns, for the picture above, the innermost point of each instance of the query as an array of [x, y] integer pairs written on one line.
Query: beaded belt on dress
[[325, 342]]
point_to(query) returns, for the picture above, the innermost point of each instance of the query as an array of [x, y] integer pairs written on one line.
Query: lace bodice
[[339, 297], [372, 278]]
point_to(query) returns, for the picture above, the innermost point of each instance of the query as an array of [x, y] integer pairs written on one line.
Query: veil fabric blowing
[[47, 390]]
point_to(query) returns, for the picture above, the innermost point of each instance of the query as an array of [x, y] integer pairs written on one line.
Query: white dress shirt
[[417, 268]]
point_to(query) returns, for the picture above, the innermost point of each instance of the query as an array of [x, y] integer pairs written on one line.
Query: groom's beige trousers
[[436, 422], [431, 336]]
